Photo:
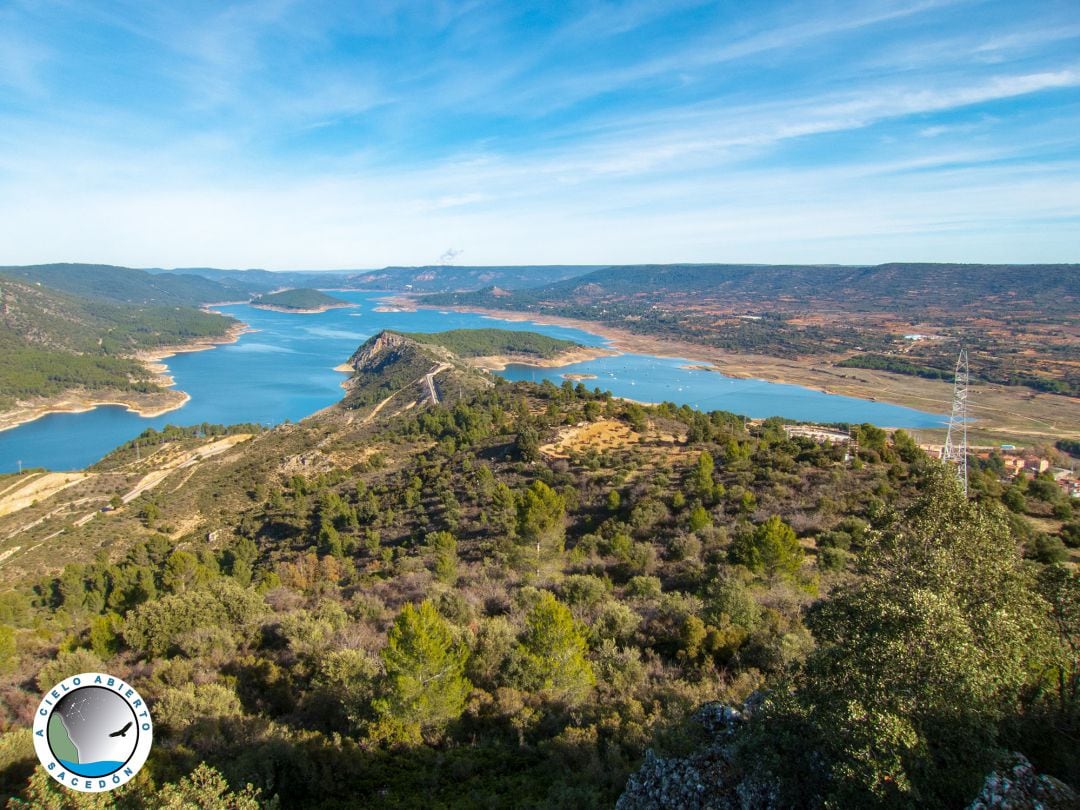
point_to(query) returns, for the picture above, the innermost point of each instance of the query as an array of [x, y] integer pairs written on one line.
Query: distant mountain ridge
[[446, 278], [205, 285], [1046, 287], [123, 285]]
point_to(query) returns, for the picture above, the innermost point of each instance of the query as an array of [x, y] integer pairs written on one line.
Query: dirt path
[[38, 488], [49, 484], [151, 480], [429, 381], [376, 409]]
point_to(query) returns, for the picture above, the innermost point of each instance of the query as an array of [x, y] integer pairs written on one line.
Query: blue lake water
[[284, 370]]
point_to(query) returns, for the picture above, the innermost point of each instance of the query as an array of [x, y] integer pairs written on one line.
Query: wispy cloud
[[290, 134]]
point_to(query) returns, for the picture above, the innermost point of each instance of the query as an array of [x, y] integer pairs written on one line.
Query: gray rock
[[705, 780], [1015, 785]]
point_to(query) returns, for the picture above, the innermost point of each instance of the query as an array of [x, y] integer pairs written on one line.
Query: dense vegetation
[[995, 370], [433, 610], [301, 299], [51, 343], [122, 285], [491, 342], [897, 365]]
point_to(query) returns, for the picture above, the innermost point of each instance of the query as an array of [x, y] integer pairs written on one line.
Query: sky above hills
[[302, 135]]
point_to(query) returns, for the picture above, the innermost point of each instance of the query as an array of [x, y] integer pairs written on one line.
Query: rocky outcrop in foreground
[[1016, 786], [705, 780], [709, 780]]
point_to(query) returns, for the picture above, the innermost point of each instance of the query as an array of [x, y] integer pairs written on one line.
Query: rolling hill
[[123, 285], [486, 342], [1025, 289], [51, 342], [456, 592]]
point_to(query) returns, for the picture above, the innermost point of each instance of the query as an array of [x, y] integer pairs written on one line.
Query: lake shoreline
[[1000, 412], [292, 311], [581, 354], [146, 405]]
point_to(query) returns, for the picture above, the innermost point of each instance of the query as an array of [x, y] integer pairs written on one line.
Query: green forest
[[432, 612], [493, 342], [303, 298], [123, 285], [51, 343]]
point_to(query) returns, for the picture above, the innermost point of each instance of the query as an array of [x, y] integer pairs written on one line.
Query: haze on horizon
[[338, 135]]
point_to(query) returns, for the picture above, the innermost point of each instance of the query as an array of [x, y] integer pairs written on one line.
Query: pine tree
[[541, 519], [552, 652], [771, 548], [442, 548], [703, 475], [425, 686]]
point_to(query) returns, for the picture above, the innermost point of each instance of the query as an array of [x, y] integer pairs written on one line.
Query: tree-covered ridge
[[968, 289], [564, 614], [494, 342], [51, 342], [299, 299], [123, 285]]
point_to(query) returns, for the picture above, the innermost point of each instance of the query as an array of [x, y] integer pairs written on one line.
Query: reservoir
[[283, 370]]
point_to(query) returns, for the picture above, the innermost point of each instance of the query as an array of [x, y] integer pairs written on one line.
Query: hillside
[[1018, 322], [966, 289], [449, 278], [124, 285], [398, 368], [574, 580], [299, 300], [53, 344], [482, 342]]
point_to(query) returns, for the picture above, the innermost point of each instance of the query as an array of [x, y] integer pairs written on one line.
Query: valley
[[679, 557]]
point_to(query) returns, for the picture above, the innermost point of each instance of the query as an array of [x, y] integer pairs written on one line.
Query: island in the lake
[[495, 349], [303, 301]]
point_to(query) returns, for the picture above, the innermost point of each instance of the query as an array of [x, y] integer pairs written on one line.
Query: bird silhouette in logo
[[122, 732]]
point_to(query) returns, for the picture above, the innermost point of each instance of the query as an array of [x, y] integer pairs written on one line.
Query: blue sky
[[315, 135]]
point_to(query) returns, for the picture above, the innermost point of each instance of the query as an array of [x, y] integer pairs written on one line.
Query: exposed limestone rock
[[1015, 785], [706, 780]]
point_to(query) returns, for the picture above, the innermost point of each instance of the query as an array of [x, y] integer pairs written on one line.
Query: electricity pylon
[[956, 442]]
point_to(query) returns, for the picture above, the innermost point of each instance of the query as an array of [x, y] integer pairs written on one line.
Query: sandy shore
[[1001, 413], [312, 311], [498, 362], [145, 405]]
